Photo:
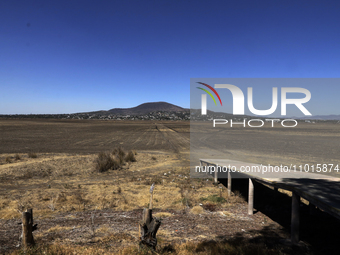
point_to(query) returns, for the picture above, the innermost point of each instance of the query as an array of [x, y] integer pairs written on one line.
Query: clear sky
[[75, 56]]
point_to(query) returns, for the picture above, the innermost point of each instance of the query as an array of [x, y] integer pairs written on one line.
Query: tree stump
[[149, 226]]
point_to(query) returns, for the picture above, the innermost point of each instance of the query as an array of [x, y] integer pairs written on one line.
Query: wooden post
[[250, 197], [229, 183], [27, 229], [150, 204], [295, 220]]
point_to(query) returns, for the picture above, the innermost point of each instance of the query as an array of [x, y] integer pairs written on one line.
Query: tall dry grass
[[112, 161], [105, 162], [232, 247]]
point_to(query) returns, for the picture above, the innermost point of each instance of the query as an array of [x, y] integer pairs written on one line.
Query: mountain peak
[[146, 108]]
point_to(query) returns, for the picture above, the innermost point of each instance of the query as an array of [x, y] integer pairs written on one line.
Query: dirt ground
[[307, 143], [91, 136], [77, 206]]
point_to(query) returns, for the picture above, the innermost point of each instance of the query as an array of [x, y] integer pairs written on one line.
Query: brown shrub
[[119, 151], [119, 154], [32, 155], [130, 157], [209, 207], [105, 162]]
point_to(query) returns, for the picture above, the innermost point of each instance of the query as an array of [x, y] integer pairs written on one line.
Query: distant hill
[[144, 109], [322, 117]]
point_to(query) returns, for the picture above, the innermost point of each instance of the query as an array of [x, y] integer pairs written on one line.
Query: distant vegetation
[[146, 111], [156, 115]]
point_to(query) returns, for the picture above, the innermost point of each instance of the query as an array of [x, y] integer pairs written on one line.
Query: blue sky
[[75, 56]]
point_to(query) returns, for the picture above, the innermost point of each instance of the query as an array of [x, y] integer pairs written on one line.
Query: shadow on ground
[[318, 229]]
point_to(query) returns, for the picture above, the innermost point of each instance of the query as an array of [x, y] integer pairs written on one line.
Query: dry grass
[[119, 154], [67, 183], [8, 159], [48, 166], [233, 247], [197, 210], [162, 215], [130, 157], [62, 183], [32, 155], [58, 229], [105, 162]]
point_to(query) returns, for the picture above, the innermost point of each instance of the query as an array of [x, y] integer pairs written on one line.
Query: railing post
[[250, 197], [295, 220], [216, 175], [229, 183]]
